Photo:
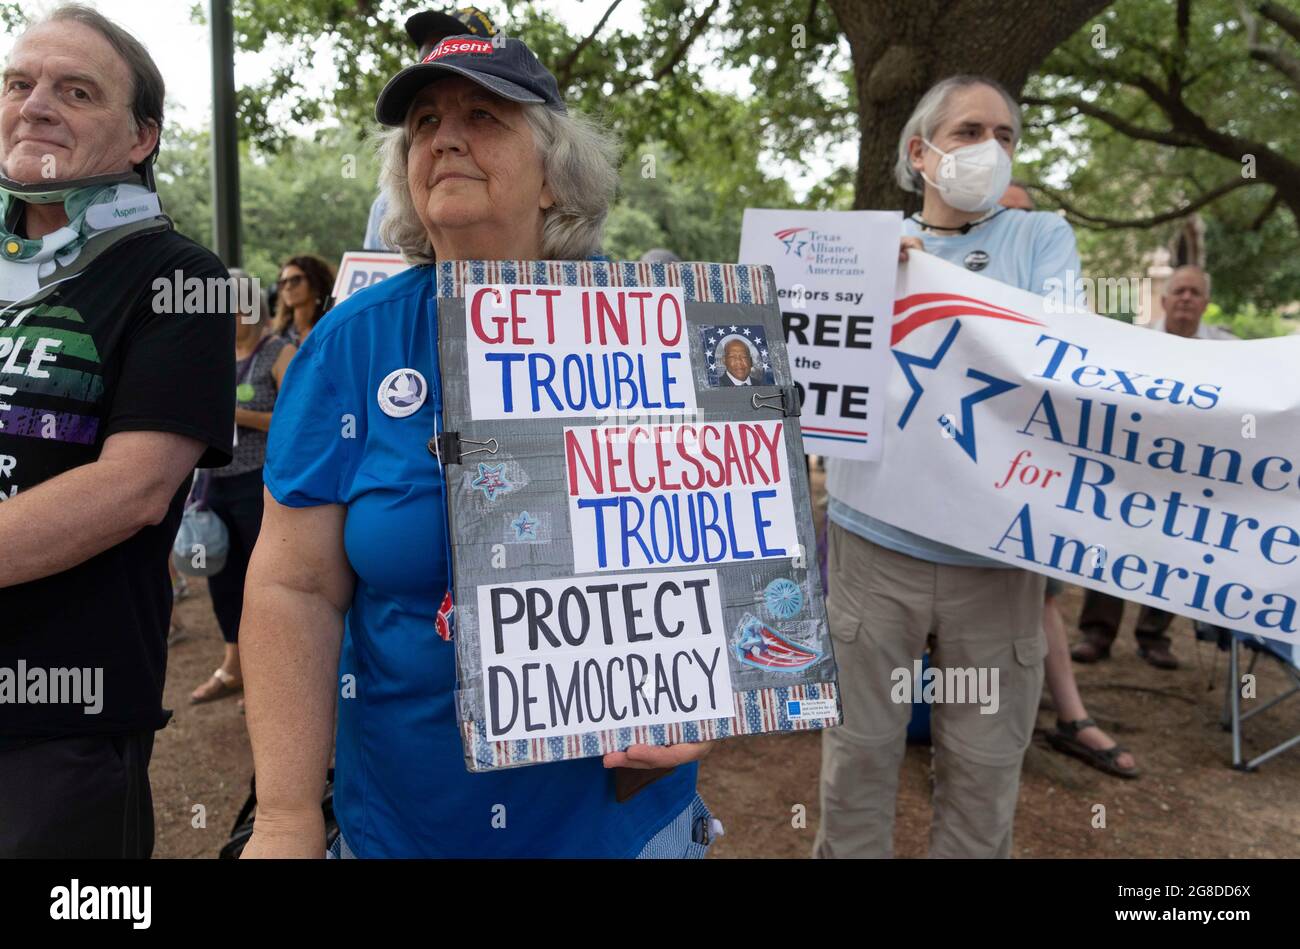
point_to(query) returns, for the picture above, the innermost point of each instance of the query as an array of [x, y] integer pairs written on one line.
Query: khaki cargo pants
[[882, 605]]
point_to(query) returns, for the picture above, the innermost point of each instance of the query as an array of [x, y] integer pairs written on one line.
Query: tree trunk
[[900, 49]]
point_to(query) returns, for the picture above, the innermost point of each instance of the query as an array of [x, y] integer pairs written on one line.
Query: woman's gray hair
[[579, 163], [931, 112]]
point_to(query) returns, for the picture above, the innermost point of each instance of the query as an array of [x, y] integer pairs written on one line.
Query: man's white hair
[[579, 163], [931, 112]]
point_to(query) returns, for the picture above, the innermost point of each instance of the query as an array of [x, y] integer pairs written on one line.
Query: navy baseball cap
[[429, 26], [503, 65]]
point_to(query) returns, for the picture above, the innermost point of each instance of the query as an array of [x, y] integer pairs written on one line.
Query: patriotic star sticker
[[763, 354], [525, 526], [746, 331], [758, 341], [491, 480], [733, 329]]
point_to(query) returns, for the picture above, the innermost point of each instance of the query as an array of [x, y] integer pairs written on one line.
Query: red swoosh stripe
[[919, 318], [916, 299]]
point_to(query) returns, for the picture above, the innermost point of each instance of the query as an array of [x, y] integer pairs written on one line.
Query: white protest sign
[[364, 268], [1160, 469], [835, 275], [628, 510], [678, 495], [574, 352], [573, 655]]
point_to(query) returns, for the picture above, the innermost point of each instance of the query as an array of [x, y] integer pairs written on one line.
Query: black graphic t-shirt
[[107, 352]]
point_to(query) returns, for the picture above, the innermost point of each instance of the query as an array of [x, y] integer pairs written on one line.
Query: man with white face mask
[[890, 589]]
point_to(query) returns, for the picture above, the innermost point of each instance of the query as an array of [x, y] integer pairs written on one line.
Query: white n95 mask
[[973, 177]]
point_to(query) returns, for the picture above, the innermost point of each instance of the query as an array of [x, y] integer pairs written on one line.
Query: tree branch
[[1284, 63], [562, 71], [1121, 125], [1273, 204], [812, 14], [691, 36], [1280, 60], [1182, 20], [1097, 223], [1286, 19]]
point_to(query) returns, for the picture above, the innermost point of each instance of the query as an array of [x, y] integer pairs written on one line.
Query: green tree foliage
[[646, 86], [662, 205], [310, 196], [1159, 108]]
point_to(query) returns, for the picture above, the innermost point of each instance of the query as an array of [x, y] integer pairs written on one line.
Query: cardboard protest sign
[[363, 268], [1145, 465], [628, 509], [835, 275]]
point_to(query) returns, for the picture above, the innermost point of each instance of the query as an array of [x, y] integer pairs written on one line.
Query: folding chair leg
[[1234, 699], [1254, 763]]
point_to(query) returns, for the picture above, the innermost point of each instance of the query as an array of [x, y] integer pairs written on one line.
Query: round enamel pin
[[402, 393]]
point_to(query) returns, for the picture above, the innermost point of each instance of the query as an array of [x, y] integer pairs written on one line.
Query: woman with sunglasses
[[234, 493], [303, 291]]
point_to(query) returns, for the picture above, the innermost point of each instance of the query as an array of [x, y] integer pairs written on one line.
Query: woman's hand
[[906, 243], [658, 756], [286, 835]]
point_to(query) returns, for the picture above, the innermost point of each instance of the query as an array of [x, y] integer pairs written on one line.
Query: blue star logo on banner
[[965, 436]]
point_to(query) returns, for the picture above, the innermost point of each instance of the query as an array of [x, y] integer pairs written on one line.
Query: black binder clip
[[786, 401], [449, 448]]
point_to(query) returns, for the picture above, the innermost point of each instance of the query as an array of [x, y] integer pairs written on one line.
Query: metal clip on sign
[[449, 447], [786, 401]]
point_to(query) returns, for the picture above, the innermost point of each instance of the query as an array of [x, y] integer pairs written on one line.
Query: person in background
[[891, 589], [1017, 197], [426, 29], [660, 255], [302, 296], [176, 631], [1075, 733], [122, 397], [235, 491], [1184, 300]]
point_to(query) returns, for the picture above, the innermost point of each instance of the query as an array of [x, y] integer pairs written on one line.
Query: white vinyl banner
[[835, 282], [1160, 469], [364, 268]]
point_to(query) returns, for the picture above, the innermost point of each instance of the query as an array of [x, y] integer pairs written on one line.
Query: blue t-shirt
[[1026, 249], [401, 787]]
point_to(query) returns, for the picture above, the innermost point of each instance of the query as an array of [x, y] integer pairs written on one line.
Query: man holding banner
[[890, 589]]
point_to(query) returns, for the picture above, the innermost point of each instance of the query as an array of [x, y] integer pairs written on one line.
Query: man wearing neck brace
[[889, 589], [108, 400]]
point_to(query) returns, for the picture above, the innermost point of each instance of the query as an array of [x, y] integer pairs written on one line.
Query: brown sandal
[[227, 684], [1065, 739]]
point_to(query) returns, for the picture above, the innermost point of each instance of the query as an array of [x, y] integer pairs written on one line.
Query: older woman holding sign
[[482, 161]]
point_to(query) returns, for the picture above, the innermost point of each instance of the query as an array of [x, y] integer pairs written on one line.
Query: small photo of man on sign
[[737, 356]]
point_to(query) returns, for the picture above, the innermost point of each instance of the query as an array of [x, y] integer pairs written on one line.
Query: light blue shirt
[[1031, 250], [372, 239]]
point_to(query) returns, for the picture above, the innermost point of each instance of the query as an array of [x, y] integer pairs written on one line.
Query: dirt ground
[[1188, 803]]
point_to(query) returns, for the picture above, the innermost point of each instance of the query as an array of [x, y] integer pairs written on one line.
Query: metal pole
[[225, 139]]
